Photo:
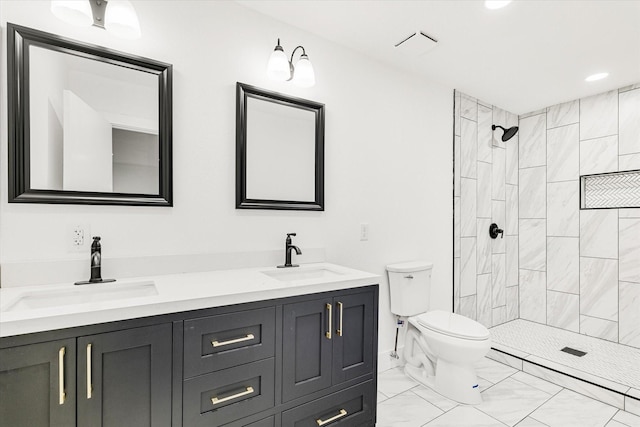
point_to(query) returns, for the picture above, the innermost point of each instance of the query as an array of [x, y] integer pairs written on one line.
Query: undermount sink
[[98, 292], [302, 273]]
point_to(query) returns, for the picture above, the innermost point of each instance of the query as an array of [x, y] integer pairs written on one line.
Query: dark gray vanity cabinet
[[327, 341], [120, 378], [38, 385]]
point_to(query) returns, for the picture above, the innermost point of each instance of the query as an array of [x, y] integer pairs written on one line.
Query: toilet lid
[[453, 324]]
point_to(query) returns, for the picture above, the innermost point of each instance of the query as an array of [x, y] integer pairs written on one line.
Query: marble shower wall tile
[[468, 107], [599, 288], [456, 285], [511, 224], [599, 115], [456, 169], [484, 133], [498, 174], [599, 155], [468, 307], [563, 208], [512, 303], [511, 160], [599, 328], [483, 246], [456, 227], [563, 160], [563, 310], [532, 193], [484, 190], [468, 207], [533, 244], [533, 140], [499, 315], [563, 114], [498, 280], [467, 266], [456, 114], [629, 122], [533, 295], [630, 313], [483, 299], [563, 264], [599, 233], [468, 148], [630, 250], [498, 210], [512, 260], [629, 162]]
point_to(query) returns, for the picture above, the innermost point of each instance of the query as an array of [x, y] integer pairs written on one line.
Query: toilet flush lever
[[410, 276], [494, 231]]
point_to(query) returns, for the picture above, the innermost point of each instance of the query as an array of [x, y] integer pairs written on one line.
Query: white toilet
[[440, 347]]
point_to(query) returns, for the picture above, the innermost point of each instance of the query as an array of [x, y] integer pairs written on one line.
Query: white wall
[[388, 152]]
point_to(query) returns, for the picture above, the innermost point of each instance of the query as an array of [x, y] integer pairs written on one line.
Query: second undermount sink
[[303, 273], [99, 292]]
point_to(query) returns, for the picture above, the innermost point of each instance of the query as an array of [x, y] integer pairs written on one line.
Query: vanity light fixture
[[281, 69], [118, 17]]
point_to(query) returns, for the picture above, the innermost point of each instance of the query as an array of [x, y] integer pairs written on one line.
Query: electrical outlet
[[79, 235], [364, 232]]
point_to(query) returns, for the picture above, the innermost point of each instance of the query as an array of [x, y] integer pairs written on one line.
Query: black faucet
[[288, 247], [96, 264]]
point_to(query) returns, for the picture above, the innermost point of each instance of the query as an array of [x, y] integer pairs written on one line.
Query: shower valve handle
[[494, 231]]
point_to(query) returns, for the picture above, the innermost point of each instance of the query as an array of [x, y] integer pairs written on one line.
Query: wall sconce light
[[118, 17], [281, 69]]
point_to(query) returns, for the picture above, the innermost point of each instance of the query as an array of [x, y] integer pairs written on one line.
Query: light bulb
[[303, 74], [121, 20], [75, 12], [595, 77], [278, 66]]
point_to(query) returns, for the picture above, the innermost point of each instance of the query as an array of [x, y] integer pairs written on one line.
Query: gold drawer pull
[[328, 333], [215, 400], [245, 338], [321, 422], [61, 394], [339, 331]]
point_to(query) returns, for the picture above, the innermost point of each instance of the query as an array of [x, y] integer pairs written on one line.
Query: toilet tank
[[409, 287]]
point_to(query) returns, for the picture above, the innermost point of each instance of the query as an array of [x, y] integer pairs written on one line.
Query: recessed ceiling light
[[496, 4], [597, 76]]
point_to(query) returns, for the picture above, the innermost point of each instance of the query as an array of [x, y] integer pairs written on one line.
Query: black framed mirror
[[87, 124], [279, 151]]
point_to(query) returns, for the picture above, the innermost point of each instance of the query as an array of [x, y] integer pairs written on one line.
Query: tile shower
[[573, 269]]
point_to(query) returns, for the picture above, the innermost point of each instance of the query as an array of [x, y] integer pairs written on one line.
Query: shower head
[[508, 133]]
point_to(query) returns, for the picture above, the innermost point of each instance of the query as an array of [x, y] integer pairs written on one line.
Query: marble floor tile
[[536, 382], [381, 397], [493, 371], [627, 418], [393, 382], [614, 423], [570, 409], [464, 416], [522, 398], [406, 410], [435, 398], [530, 422]]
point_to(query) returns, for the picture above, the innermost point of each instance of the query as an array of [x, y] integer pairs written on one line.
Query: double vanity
[[250, 347]]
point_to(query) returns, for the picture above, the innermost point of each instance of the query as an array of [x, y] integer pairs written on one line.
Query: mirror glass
[[280, 150], [91, 125]]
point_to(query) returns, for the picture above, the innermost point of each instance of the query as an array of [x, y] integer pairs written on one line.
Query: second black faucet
[[288, 247]]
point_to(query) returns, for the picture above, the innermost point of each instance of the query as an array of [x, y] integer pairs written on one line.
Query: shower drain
[[574, 352]]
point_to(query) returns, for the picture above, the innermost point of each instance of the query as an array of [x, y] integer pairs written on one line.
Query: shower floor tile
[[605, 360]]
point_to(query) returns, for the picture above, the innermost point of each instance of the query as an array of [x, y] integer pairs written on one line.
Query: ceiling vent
[[416, 44]]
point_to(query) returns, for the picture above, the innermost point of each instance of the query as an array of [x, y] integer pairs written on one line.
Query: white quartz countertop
[[57, 306]]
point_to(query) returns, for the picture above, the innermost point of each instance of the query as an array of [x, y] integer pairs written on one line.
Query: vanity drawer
[[223, 396], [226, 340], [351, 407]]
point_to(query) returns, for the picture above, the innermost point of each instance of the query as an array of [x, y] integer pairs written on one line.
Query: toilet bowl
[[440, 347]]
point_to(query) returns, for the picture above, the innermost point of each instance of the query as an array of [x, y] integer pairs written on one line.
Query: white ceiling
[[529, 55]]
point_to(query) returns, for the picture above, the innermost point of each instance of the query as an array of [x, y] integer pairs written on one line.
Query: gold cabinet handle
[[89, 386], [248, 390], [339, 331], [328, 333], [322, 422], [245, 338], [61, 394]]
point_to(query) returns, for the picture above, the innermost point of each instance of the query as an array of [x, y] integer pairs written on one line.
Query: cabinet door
[[37, 385], [124, 378], [306, 347], [353, 347]]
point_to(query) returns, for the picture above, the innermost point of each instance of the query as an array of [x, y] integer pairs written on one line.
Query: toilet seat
[[453, 325]]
